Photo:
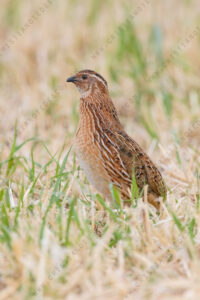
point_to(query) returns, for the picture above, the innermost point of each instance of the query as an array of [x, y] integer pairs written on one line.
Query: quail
[[105, 151]]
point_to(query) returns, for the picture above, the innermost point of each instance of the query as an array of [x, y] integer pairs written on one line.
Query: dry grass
[[55, 243]]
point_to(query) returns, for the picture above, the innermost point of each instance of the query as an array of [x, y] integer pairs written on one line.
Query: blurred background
[[148, 51]]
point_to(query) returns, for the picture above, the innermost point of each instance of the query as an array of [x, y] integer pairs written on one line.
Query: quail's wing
[[120, 158], [135, 158]]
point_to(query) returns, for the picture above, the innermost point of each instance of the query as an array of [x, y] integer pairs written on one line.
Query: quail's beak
[[72, 79]]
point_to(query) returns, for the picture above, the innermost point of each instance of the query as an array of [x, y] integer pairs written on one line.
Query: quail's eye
[[84, 76]]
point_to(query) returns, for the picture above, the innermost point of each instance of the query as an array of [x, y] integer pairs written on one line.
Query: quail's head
[[87, 81]]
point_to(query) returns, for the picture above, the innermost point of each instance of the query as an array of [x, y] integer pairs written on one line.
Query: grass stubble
[[58, 239]]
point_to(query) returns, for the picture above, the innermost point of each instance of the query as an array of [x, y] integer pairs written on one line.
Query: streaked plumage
[[106, 153]]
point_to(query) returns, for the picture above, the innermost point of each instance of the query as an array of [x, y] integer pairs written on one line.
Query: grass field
[[55, 240]]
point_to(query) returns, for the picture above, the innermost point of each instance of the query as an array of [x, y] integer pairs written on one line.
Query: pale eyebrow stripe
[[98, 78], [97, 75]]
